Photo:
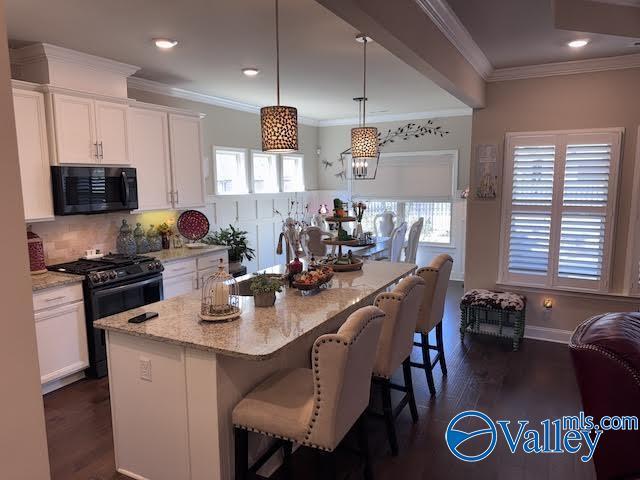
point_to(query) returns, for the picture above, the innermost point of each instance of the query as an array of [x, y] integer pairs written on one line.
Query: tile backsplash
[[67, 238]]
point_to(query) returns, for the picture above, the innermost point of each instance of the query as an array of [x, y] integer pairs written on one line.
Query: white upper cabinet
[[186, 160], [33, 152], [150, 155], [75, 137], [90, 131], [112, 132]]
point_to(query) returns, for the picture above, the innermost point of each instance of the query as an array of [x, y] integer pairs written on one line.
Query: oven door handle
[[125, 188], [128, 286]]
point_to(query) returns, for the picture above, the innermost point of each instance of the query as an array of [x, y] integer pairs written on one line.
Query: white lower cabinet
[[61, 333], [179, 285]]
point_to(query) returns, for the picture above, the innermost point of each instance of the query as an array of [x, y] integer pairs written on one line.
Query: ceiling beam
[[405, 30], [597, 17]]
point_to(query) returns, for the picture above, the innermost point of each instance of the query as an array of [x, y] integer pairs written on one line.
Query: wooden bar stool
[[436, 277], [401, 307], [314, 407]]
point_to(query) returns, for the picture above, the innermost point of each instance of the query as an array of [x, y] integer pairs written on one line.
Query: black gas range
[[113, 284]]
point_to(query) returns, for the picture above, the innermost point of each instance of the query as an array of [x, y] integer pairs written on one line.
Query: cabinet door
[[186, 161], [179, 285], [75, 129], [62, 341], [150, 156], [112, 132], [33, 153]]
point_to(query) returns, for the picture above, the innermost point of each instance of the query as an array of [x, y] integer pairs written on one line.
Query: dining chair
[[397, 242], [314, 407], [436, 276], [411, 250], [318, 220], [401, 307], [384, 223], [312, 239]]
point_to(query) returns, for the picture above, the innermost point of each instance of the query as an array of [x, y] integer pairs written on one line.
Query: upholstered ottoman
[[501, 314]]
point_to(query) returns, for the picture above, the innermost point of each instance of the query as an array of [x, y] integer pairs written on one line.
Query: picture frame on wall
[[486, 172]]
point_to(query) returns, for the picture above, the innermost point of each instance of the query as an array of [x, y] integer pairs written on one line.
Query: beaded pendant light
[[279, 123], [364, 140]]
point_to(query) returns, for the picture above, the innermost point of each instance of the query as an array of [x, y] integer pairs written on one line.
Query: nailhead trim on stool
[[316, 372]]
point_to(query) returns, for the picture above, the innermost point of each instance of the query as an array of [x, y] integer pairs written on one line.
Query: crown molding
[[163, 89], [371, 119], [566, 68], [452, 28], [45, 51]]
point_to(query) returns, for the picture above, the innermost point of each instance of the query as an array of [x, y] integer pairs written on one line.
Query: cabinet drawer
[[52, 297], [179, 285], [179, 267], [213, 260], [62, 341]]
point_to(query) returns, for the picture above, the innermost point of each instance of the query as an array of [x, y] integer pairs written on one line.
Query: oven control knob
[[158, 265], [150, 266], [112, 274], [102, 277], [94, 277]]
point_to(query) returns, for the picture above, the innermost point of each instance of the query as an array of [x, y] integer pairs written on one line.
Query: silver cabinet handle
[[53, 299], [177, 197], [170, 197], [97, 155], [101, 151]]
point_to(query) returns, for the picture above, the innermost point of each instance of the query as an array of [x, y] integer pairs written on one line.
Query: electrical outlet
[[145, 369]]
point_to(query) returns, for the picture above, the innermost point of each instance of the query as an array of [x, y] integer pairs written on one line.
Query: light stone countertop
[[53, 279], [174, 254], [260, 333]]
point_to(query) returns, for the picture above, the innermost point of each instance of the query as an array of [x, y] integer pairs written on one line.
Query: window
[[558, 205], [231, 171], [292, 173], [437, 220], [265, 172], [437, 217]]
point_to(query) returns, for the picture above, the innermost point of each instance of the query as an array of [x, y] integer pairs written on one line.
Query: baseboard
[[129, 474], [547, 334], [62, 382]]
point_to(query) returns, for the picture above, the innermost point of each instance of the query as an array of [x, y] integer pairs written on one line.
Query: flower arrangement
[[359, 209], [263, 283]]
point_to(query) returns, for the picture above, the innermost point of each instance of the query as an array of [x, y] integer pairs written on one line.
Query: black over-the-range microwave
[[86, 190]]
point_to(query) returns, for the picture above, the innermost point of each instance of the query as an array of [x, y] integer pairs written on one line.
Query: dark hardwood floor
[[535, 383]]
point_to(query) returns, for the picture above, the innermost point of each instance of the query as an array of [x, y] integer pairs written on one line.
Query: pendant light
[[279, 123], [364, 140]]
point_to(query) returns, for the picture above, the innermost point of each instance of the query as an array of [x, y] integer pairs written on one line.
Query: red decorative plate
[[193, 225]]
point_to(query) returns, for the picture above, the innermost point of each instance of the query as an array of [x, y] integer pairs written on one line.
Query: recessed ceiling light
[[165, 43], [251, 71], [578, 43]]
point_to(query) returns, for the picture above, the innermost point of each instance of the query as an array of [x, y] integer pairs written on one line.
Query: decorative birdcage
[[220, 299]]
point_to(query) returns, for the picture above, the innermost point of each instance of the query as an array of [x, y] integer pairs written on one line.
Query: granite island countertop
[[260, 333], [174, 254], [53, 279]]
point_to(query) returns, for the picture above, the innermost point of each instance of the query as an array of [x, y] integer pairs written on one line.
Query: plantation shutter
[[557, 216], [531, 202], [586, 209]]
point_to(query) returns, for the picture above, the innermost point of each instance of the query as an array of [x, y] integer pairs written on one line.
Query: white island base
[[177, 425]]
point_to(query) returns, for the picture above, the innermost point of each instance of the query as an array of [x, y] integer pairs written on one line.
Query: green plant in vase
[[264, 288], [165, 234], [237, 241]]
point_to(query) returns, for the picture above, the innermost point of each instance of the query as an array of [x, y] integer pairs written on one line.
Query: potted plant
[[165, 232], [237, 240], [264, 288]]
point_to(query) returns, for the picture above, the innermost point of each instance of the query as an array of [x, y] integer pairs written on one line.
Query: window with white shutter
[[558, 207]]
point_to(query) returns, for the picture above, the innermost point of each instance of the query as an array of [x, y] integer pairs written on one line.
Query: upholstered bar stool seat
[[401, 307], [267, 410], [314, 407]]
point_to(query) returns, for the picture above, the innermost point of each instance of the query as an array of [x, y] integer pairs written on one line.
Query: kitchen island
[[174, 380]]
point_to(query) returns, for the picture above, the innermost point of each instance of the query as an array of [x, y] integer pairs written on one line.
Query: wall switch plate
[[145, 369]]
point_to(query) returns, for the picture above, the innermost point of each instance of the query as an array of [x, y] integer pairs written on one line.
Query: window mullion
[[556, 208]]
